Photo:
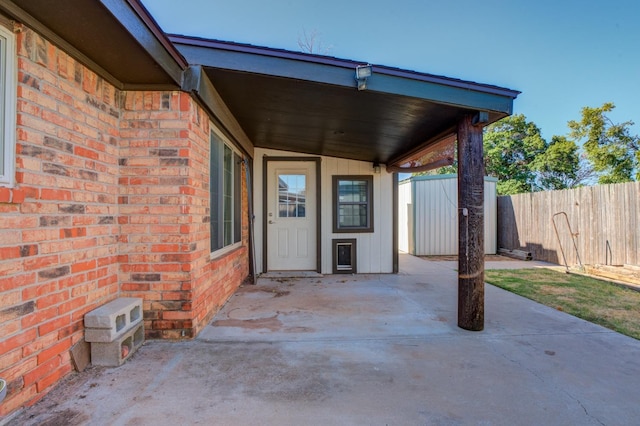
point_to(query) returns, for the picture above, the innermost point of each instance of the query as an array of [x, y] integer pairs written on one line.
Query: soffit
[[115, 38], [310, 104]]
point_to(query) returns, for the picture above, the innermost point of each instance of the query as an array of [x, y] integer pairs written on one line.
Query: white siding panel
[[374, 250], [490, 217], [435, 205], [436, 217]]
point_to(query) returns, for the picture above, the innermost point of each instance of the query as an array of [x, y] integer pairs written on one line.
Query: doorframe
[[265, 163]]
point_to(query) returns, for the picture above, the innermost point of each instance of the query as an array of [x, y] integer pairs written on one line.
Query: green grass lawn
[[593, 300]]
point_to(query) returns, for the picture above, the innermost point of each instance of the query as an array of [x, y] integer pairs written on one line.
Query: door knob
[[271, 222]]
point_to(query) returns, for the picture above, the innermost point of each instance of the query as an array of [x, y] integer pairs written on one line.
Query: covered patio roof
[[117, 39], [311, 104], [265, 97]]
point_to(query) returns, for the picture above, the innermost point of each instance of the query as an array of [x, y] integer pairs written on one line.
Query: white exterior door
[[291, 216]]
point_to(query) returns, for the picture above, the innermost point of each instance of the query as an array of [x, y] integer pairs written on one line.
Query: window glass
[[292, 190], [353, 203], [237, 198], [3, 72], [7, 106], [350, 216], [226, 195], [353, 191], [216, 194]]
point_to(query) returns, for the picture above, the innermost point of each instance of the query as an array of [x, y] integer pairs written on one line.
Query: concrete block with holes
[[114, 354], [115, 331], [112, 319]]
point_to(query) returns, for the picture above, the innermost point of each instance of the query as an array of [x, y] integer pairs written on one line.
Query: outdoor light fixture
[[376, 168], [362, 73]]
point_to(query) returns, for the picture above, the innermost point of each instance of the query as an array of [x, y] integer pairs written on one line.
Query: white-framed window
[[226, 194], [8, 106]]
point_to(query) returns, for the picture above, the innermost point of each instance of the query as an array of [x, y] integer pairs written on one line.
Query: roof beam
[[440, 93], [198, 83], [268, 65], [338, 72]]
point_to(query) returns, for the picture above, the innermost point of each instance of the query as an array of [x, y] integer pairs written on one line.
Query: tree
[[585, 174], [612, 150], [309, 42], [510, 146], [558, 167]]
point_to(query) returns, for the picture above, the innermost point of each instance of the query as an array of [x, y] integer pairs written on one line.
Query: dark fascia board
[[341, 72], [135, 18], [162, 37], [197, 82], [20, 15], [136, 21]]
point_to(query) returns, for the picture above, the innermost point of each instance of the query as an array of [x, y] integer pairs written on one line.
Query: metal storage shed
[[428, 219]]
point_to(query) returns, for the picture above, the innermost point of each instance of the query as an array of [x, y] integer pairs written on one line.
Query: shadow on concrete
[[365, 349]]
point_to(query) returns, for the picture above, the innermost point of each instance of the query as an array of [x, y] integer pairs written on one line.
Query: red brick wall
[[164, 206], [111, 199], [58, 230], [213, 281]]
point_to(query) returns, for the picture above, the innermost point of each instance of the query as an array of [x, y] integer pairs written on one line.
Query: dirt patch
[[50, 410], [626, 274], [270, 323], [66, 418], [619, 314], [548, 289], [299, 330], [277, 292], [281, 375], [487, 258]]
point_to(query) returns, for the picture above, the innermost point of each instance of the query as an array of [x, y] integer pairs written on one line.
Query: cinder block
[[112, 319], [113, 354], [104, 335]]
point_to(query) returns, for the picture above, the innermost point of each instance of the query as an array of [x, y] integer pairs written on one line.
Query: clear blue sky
[[561, 54]]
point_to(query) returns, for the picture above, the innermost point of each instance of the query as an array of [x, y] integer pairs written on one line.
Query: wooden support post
[[470, 224]]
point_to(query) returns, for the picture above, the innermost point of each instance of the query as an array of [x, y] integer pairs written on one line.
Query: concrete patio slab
[[365, 350]]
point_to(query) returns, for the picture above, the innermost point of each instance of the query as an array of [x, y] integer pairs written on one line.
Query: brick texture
[[110, 201], [164, 199], [58, 257]]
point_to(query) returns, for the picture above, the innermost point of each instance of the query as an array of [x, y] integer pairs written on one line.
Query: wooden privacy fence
[[604, 221]]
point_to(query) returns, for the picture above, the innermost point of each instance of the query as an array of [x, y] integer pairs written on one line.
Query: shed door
[[291, 216]]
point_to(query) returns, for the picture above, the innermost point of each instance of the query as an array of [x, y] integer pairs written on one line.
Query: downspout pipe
[[252, 218]]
